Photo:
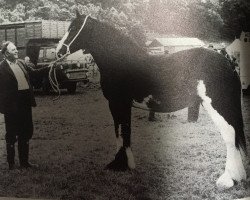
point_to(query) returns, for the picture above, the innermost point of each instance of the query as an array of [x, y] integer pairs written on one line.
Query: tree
[[116, 18], [236, 17], [204, 20]]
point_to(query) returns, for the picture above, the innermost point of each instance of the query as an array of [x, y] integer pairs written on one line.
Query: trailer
[[30, 36], [38, 40]]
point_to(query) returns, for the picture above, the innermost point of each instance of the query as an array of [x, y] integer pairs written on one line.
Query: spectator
[[16, 102], [224, 53], [151, 116]]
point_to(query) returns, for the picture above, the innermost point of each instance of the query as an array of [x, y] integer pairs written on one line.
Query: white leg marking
[[234, 169], [131, 161], [119, 143], [59, 46], [119, 140], [225, 181]]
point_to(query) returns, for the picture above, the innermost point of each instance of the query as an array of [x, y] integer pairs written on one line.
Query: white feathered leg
[[234, 169]]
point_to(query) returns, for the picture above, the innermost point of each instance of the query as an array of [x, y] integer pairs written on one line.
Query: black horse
[[131, 77]]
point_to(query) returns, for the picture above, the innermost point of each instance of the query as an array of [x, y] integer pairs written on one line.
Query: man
[[16, 102], [151, 116]]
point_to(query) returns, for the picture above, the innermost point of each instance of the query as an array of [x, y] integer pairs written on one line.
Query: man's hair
[[27, 58], [4, 46]]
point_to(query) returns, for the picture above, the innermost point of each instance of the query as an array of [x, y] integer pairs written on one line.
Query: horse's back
[[172, 79], [191, 66], [175, 77]]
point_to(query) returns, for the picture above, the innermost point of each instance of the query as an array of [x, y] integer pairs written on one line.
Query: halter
[[68, 45], [52, 72]]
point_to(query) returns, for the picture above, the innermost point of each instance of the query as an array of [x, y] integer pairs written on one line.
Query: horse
[[129, 77]]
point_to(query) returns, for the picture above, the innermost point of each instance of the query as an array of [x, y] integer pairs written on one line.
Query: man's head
[[9, 51], [27, 59]]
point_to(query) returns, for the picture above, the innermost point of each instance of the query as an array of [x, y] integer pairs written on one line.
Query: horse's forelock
[[72, 24], [78, 21]]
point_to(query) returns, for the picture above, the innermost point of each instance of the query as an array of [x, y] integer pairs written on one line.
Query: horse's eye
[[74, 29]]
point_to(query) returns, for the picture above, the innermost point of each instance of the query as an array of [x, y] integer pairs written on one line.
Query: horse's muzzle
[[59, 55]]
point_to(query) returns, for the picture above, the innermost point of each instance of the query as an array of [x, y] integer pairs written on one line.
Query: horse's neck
[[108, 46]]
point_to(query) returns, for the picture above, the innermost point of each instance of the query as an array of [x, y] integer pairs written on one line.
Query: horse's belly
[[169, 104]]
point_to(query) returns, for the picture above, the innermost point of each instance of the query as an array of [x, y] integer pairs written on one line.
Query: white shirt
[[19, 74]]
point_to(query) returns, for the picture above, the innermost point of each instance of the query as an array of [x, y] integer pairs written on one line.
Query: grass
[[74, 140]]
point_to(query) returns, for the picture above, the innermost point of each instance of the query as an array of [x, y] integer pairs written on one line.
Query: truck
[[38, 40]]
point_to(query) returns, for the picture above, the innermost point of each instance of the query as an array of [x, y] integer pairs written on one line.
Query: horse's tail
[[240, 140]]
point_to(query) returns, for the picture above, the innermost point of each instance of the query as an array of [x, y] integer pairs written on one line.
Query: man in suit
[[16, 102]]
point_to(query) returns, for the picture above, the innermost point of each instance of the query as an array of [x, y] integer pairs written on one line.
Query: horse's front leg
[[121, 112]]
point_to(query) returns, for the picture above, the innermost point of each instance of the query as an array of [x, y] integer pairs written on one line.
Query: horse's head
[[76, 37]]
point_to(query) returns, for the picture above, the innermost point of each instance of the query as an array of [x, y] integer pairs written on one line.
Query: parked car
[[68, 72]]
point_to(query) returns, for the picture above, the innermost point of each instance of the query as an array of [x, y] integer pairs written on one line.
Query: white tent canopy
[[235, 46]]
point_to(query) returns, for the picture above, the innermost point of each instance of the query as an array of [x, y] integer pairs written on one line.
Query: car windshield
[[51, 53], [41, 53]]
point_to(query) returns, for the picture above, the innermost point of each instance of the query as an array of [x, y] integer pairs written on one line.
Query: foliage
[[182, 17], [236, 16], [64, 10], [207, 19]]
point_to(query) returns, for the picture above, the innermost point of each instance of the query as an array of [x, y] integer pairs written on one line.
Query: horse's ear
[[77, 13]]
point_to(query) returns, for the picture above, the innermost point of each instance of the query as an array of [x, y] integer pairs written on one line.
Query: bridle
[[52, 72], [68, 45]]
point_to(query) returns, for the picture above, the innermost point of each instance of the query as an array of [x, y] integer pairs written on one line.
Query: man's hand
[[51, 65]]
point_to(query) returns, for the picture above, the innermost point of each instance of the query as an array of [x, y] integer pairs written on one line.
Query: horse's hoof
[[120, 163], [114, 166], [225, 181]]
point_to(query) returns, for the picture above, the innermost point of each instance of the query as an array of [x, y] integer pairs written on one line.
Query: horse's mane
[[118, 42], [123, 36]]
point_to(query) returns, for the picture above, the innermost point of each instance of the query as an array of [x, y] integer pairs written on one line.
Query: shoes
[[23, 151], [12, 166], [23, 166], [28, 166], [152, 119]]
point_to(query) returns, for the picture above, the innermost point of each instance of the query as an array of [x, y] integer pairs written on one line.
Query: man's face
[[11, 53]]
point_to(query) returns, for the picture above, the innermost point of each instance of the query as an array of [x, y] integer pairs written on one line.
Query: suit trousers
[[19, 124]]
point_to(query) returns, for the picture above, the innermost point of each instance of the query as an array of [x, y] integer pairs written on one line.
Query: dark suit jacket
[[9, 86]]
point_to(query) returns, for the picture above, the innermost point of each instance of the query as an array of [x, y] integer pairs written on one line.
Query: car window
[[41, 53], [51, 53]]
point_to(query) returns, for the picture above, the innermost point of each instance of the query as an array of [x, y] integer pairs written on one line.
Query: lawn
[[74, 139]]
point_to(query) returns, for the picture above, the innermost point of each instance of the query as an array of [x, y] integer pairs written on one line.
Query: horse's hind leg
[[232, 133], [121, 112], [193, 110]]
